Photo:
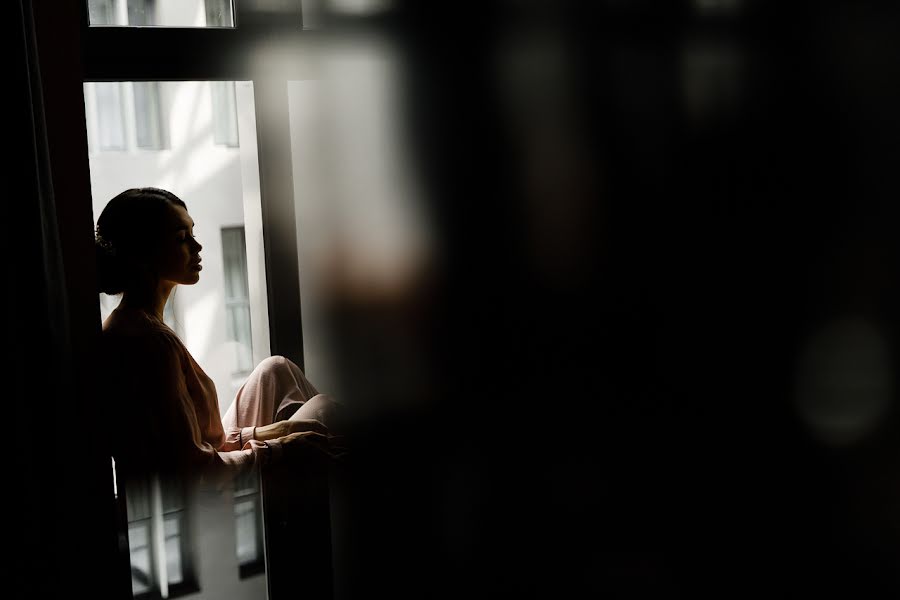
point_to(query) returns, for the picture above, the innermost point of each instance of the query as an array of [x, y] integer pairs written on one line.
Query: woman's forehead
[[178, 217]]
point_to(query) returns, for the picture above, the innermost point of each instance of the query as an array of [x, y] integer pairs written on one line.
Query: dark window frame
[[158, 54]]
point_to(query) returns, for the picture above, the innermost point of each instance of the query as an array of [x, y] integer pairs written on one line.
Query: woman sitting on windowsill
[[164, 409]]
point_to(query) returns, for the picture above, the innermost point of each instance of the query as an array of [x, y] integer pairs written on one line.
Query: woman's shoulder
[[134, 329]]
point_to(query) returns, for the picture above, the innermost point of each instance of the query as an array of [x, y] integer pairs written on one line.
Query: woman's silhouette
[[167, 413]]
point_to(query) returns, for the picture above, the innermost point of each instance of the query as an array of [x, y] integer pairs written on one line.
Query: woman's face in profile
[[178, 253]]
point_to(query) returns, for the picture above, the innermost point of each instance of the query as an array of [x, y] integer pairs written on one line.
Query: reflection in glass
[[219, 13], [364, 230], [172, 529], [141, 12], [102, 12], [248, 525], [245, 523], [161, 13], [152, 504], [139, 545]]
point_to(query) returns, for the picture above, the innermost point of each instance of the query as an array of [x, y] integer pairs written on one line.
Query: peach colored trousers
[[277, 390]]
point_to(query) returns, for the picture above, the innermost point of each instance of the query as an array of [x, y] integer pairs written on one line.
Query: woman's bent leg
[[273, 392]]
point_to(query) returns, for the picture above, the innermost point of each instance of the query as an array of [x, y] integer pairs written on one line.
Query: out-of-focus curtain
[[61, 541]]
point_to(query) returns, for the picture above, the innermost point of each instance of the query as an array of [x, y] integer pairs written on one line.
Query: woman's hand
[[305, 444], [279, 429], [301, 425]]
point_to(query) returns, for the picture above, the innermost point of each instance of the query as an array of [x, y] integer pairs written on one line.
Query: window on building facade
[[237, 297], [148, 120], [110, 121], [224, 111], [248, 525], [161, 564], [110, 124]]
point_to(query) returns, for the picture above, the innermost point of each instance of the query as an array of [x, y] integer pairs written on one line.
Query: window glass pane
[[242, 330], [161, 13], [148, 121], [239, 332], [141, 12], [141, 515], [168, 136], [223, 318], [357, 8], [224, 113], [172, 496], [137, 499], [102, 12], [172, 528], [245, 523], [110, 127], [139, 534], [169, 314], [219, 13], [247, 483], [365, 233], [235, 257], [139, 545], [237, 304]]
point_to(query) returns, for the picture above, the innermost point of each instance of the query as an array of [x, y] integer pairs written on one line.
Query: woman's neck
[[151, 303]]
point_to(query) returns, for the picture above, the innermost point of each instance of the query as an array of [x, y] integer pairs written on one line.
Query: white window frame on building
[[125, 116]]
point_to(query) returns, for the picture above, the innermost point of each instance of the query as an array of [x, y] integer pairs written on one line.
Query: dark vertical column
[[76, 531], [279, 231]]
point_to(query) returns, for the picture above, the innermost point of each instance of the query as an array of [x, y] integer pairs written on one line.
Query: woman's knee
[[268, 368], [281, 364], [278, 361], [272, 363]]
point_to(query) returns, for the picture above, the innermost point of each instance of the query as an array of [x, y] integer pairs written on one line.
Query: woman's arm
[[166, 433], [265, 433], [151, 395]]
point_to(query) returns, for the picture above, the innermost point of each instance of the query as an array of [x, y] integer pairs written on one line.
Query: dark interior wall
[[634, 271], [62, 520]]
